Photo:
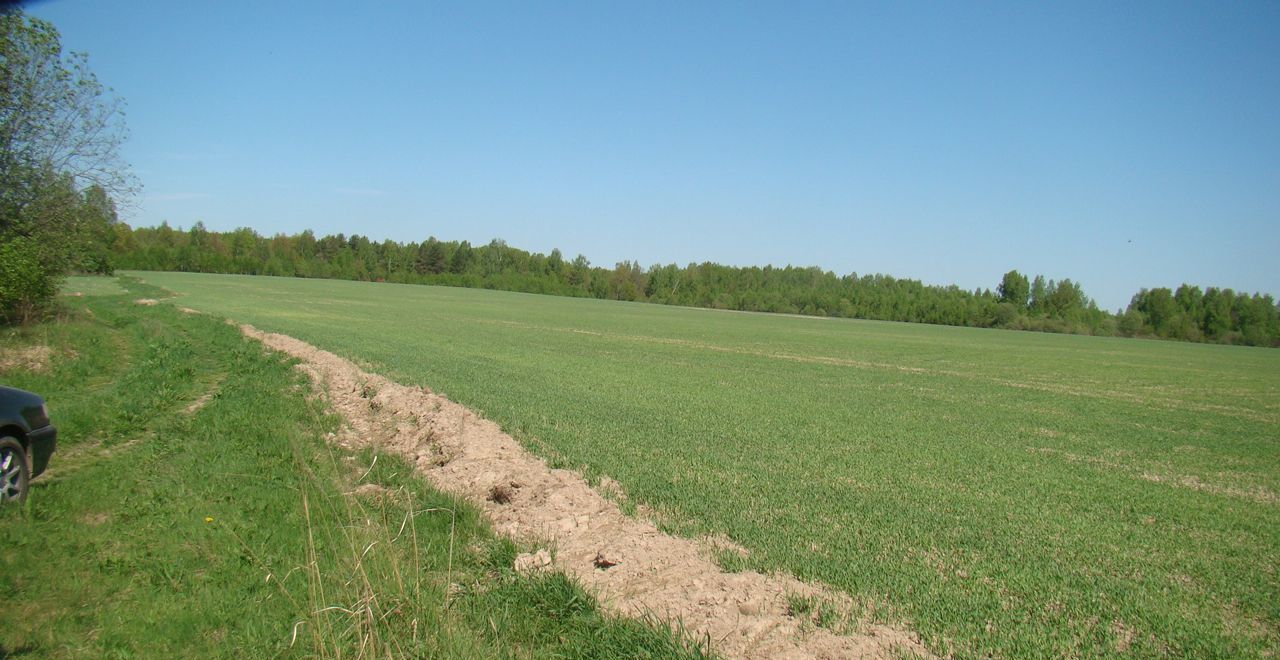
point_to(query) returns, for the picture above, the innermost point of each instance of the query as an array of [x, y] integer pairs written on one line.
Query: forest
[[1017, 302]]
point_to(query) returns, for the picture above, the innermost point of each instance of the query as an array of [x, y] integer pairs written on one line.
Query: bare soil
[[632, 567]]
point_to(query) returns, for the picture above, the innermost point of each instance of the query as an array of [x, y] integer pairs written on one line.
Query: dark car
[[27, 440]]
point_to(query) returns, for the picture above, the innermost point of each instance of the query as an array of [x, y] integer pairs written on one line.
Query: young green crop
[[1003, 493], [194, 509]]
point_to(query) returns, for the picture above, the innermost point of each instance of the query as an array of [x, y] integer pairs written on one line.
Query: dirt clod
[[532, 561], [501, 494], [602, 562]]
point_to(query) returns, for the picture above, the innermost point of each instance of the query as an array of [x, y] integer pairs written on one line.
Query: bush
[[26, 285], [1006, 315]]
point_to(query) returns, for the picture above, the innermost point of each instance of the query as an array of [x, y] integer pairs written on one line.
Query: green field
[[1001, 492], [194, 510]]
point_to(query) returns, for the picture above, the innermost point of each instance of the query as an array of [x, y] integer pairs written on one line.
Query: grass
[[1004, 493], [91, 285], [193, 509]]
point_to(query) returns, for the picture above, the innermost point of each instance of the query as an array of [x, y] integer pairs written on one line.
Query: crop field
[[193, 509], [999, 492]]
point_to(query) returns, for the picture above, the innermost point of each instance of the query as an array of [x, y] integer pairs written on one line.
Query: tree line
[[1018, 302]]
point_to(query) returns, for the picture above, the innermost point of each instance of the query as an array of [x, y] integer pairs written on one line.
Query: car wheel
[[15, 474]]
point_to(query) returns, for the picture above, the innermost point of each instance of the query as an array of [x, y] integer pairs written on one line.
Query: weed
[[799, 606]]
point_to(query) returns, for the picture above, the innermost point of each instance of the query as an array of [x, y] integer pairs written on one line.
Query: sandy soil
[[631, 566]]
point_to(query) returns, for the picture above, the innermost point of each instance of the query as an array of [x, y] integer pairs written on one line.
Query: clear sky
[[1121, 144]]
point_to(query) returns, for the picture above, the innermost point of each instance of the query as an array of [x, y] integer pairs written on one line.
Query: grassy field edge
[[195, 508]]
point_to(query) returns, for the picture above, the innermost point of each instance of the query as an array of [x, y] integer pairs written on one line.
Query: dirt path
[[631, 566]]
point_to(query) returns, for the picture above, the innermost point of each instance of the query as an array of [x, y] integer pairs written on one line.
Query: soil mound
[[630, 565]]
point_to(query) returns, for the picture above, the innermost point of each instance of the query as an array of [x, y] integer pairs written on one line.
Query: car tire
[[15, 472]]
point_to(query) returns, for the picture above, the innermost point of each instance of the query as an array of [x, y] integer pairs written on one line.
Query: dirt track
[[630, 565]]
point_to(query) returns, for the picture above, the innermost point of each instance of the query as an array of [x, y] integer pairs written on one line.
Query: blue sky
[[1123, 145]]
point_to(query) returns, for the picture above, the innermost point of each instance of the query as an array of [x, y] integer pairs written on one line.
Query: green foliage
[[1015, 289], [1131, 324], [1216, 315], [1009, 494], [1066, 300], [195, 505], [1007, 314], [1039, 296], [25, 284], [59, 136], [431, 259], [497, 265], [1158, 308], [461, 259], [1043, 305]]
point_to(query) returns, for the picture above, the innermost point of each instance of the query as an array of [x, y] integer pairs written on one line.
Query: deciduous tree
[[1014, 288], [60, 134]]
